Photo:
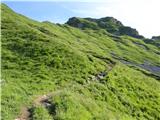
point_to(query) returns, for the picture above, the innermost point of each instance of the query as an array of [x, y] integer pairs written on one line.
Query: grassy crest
[[40, 58]]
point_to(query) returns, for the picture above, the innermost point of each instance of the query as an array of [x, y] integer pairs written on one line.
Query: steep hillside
[[52, 71], [154, 41], [110, 24]]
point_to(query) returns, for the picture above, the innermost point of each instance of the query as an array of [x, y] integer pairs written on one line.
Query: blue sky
[[58, 12], [140, 14]]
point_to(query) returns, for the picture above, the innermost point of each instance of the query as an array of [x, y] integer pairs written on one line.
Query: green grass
[[119, 96], [41, 58], [40, 113]]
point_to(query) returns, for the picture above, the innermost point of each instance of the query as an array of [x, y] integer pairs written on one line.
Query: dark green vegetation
[[155, 41], [46, 58], [109, 24]]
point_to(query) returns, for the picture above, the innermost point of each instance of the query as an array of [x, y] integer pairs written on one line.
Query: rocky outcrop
[[156, 38], [82, 23], [110, 24], [130, 32]]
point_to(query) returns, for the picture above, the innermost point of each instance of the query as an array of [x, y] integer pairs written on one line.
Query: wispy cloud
[[140, 14]]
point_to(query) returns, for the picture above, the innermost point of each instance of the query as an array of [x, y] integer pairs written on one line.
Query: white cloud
[[140, 14]]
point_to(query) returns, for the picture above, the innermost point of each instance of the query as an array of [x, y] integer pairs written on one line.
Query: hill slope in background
[[53, 71], [110, 24], [154, 41]]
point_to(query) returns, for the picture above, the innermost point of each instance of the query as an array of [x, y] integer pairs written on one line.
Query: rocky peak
[[110, 24], [111, 20], [156, 38]]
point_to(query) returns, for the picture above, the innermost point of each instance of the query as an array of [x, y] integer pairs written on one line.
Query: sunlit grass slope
[[39, 58]]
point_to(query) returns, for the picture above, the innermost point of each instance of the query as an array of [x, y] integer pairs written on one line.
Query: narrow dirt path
[[40, 100], [25, 113], [103, 74]]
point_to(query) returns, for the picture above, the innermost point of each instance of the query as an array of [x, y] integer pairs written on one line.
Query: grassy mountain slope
[[46, 58], [155, 41], [109, 24]]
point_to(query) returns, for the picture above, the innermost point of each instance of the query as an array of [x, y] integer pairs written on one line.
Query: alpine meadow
[[85, 69]]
